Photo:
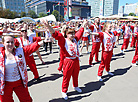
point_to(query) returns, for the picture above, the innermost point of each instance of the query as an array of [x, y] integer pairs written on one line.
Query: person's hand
[[84, 22], [45, 22]]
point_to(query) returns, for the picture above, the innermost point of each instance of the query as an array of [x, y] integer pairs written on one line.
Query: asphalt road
[[122, 87]]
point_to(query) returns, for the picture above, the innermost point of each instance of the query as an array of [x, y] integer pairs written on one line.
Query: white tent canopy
[[48, 18]]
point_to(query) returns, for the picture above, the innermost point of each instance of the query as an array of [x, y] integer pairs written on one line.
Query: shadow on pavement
[[91, 86], [85, 67], [70, 99], [116, 73], [52, 78], [38, 68]]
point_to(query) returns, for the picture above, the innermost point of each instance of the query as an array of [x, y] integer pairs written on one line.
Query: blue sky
[[123, 2]]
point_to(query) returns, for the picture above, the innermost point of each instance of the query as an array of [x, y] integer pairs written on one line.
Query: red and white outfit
[[30, 59], [96, 41], [71, 65], [127, 34], [107, 50], [85, 35], [135, 58], [133, 42], [16, 78]]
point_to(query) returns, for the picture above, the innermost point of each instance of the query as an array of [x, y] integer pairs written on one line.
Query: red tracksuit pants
[[133, 41], [19, 89], [125, 44], [105, 62], [31, 63], [95, 50], [71, 67], [135, 58]]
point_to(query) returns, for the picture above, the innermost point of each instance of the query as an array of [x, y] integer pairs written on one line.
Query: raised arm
[[48, 26]]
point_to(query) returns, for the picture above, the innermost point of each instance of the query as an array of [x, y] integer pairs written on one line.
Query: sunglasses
[[24, 31]]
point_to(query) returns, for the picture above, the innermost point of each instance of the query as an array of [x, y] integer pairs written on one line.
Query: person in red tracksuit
[[71, 65], [13, 70], [133, 42], [96, 41], [23, 41], [108, 39], [135, 58], [127, 33]]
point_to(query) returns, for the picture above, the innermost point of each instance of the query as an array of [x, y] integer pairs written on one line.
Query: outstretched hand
[[45, 22], [85, 22]]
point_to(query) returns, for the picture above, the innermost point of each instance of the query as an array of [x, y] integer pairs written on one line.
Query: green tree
[[32, 14], [8, 14], [132, 14], [56, 14], [23, 14], [42, 14]]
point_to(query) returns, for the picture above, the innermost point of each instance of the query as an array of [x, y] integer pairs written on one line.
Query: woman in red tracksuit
[[71, 65], [127, 33], [96, 41], [108, 40], [23, 41], [13, 70], [135, 58], [134, 37]]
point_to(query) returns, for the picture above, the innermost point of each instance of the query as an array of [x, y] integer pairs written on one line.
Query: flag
[[48, 11], [57, 5]]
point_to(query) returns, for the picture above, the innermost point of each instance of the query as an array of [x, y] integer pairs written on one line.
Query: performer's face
[[71, 36], [24, 32], [8, 43], [109, 27]]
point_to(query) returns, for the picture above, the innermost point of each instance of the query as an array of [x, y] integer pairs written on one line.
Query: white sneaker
[[78, 89], [88, 52], [133, 64], [126, 50], [64, 95], [110, 73], [122, 51], [99, 78], [113, 55]]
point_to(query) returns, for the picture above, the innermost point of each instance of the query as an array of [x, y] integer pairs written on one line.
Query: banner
[[70, 8], [65, 11]]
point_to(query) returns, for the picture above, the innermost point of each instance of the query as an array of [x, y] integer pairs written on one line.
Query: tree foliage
[[132, 14], [56, 14], [42, 14], [32, 14], [23, 14]]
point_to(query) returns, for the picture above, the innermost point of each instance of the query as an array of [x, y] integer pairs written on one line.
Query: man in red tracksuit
[[96, 41], [71, 65]]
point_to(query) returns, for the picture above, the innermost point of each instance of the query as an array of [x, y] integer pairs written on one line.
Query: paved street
[[122, 87]]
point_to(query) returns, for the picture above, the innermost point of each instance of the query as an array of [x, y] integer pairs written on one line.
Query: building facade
[[13, 5], [131, 8], [79, 8], [110, 7], [103, 7], [95, 8], [121, 11]]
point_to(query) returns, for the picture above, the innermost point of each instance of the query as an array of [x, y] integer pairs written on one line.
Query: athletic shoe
[[78, 89], [134, 64], [91, 64], [99, 78], [110, 73], [64, 95], [122, 51]]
